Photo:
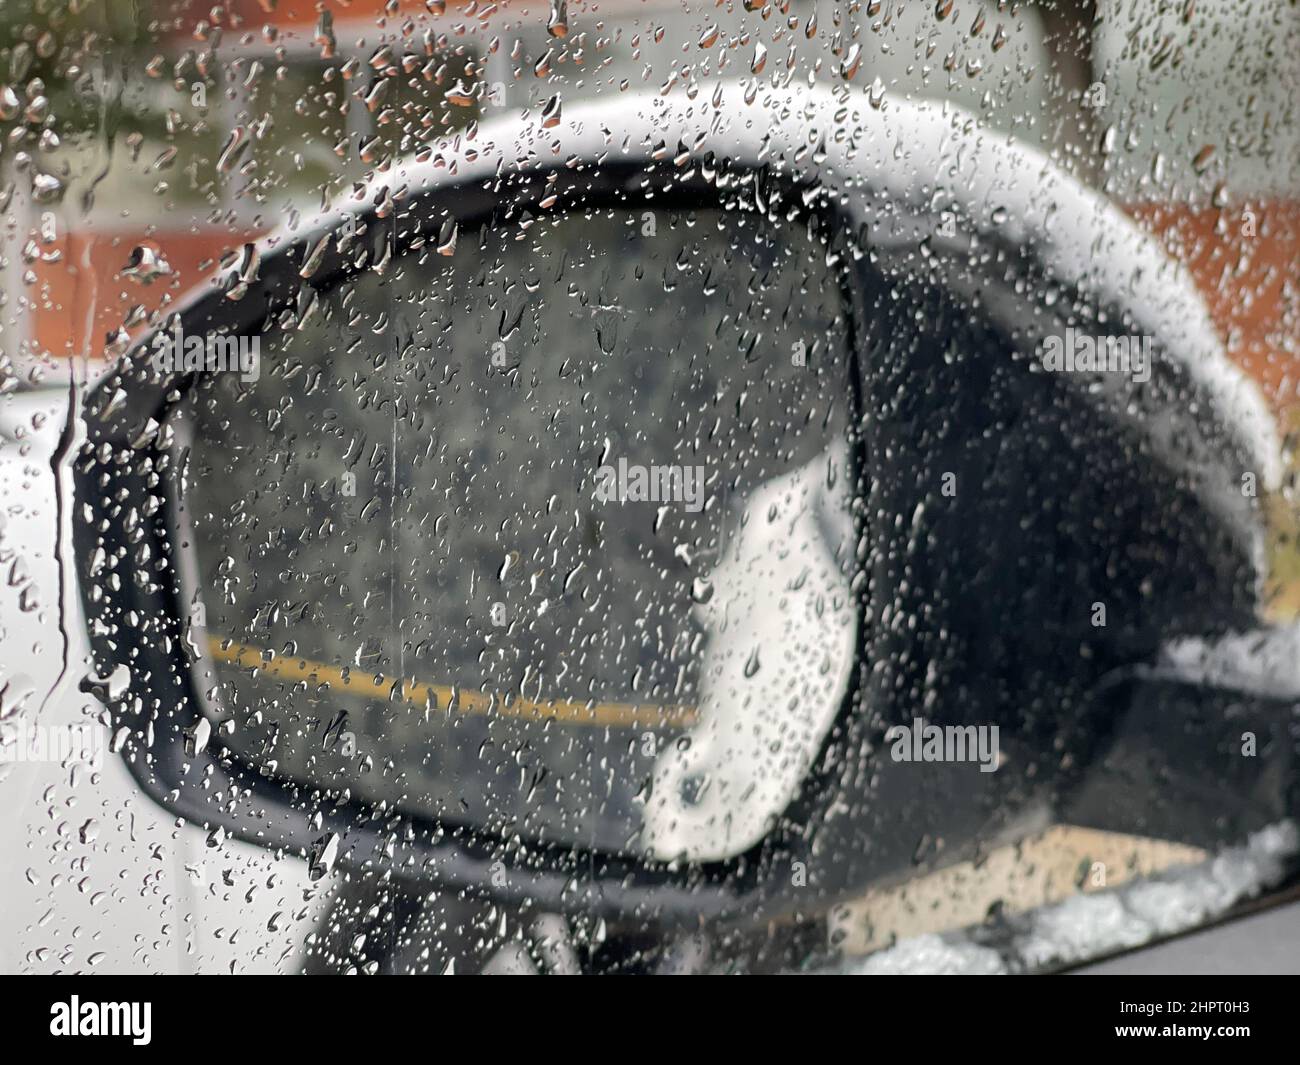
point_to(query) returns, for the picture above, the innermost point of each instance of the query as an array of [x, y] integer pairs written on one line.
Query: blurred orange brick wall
[[1246, 262], [65, 290]]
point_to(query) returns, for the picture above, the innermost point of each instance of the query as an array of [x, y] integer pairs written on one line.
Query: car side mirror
[[493, 540], [578, 531]]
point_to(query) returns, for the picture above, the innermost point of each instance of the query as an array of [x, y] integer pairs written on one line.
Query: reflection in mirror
[[497, 537]]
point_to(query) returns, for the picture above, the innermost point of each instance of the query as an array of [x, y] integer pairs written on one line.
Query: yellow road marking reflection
[[367, 685]]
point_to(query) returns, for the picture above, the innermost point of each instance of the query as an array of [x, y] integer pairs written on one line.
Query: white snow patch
[[934, 954], [1088, 926]]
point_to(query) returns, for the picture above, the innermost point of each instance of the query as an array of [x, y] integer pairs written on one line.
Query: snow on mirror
[[548, 537]]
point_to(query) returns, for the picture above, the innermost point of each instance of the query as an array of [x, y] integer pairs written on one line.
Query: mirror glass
[[458, 542]]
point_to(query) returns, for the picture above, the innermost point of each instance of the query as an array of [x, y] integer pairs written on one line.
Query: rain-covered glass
[[729, 486], [458, 544]]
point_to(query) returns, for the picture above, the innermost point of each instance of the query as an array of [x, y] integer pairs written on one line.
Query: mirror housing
[[1000, 208]]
